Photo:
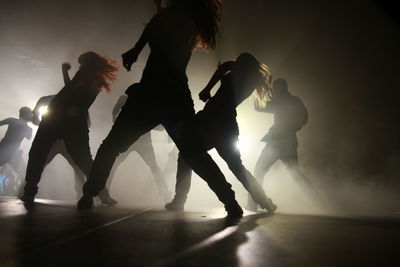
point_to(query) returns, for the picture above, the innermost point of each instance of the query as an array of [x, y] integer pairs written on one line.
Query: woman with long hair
[[218, 125], [66, 118], [163, 96]]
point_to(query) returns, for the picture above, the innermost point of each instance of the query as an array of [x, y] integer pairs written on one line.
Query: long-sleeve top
[[290, 115]]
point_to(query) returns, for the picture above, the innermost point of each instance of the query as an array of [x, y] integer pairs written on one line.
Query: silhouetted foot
[[106, 199], [234, 210], [28, 199], [86, 202], [251, 205], [175, 205], [269, 206]]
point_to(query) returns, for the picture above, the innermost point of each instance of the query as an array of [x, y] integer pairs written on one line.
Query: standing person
[[17, 130], [59, 148], [67, 119], [290, 115], [164, 97], [144, 147], [219, 128]]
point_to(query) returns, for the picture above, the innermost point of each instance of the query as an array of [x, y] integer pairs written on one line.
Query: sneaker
[[175, 205], [86, 202], [269, 206], [234, 210], [106, 199]]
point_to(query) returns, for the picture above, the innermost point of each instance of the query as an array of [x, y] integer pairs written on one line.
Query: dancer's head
[[279, 88], [255, 74], [103, 68], [206, 15], [25, 113]]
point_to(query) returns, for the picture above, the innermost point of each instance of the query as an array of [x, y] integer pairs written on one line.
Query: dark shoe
[[86, 202], [251, 205], [175, 205], [234, 210], [28, 199], [106, 199]]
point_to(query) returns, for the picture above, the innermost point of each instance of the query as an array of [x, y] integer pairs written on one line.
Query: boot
[[233, 209], [86, 202]]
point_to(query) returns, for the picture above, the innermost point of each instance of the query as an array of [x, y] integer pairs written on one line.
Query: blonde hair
[[260, 76], [262, 93]]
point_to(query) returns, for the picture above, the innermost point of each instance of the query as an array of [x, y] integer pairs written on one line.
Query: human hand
[[128, 59], [204, 95], [66, 66]]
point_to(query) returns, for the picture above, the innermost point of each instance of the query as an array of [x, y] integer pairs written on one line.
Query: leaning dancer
[[218, 126], [67, 119], [164, 97]]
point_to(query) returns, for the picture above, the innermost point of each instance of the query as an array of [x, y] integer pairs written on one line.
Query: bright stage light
[[43, 110], [241, 145]]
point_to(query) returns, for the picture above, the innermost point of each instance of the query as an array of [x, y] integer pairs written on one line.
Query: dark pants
[[231, 155], [144, 148], [136, 119], [270, 155], [60, 148], [75, 135]]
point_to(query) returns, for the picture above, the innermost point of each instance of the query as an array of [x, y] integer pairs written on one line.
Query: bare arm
[[222, 69]]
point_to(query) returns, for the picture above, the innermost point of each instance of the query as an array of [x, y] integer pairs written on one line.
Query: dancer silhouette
[[67, 119], [218, 126], [164, 97], [290, 115], [17, 130], [59, 147]]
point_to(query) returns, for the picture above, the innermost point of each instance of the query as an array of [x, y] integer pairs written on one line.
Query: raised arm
[[222, 69], [65, 68]]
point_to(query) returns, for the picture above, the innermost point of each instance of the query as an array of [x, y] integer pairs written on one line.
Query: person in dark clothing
[[290, 115], [218, 126], [172, 34], [17, 131], [67, 119], [59, 147], [144, 147]]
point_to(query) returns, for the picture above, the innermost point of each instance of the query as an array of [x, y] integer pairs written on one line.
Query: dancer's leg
[[182, 186], [229, 152], [41, 145], [145, 150], [264, 162]]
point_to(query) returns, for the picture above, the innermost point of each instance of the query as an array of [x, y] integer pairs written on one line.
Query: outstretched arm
[[5, 121], [222, 69]]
